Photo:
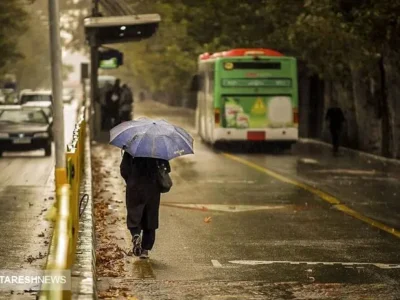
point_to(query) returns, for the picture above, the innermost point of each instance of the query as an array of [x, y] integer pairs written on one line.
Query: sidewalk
[[348, 156]]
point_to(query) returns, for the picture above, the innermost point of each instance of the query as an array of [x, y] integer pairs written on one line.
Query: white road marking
[[270, 262], [227, 181], [227, 207], [308, 161], [347, 171], [216, 263]]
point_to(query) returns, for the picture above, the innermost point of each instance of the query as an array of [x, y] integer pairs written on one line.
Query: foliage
[[330, 35], [74, 12], [12, 16]]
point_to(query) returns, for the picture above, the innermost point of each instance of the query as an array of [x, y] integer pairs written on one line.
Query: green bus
[[247, 95]]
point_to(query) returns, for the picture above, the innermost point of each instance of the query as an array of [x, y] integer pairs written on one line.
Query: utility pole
[[57, 86], [94, 68]]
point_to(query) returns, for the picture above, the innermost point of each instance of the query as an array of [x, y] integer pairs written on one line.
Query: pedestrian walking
[[336, 119], [142, 200], [126, 105], [148, 146], [113, 101]]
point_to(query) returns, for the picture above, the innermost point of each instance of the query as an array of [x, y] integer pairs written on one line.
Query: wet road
[[256, 226], [26, 192]]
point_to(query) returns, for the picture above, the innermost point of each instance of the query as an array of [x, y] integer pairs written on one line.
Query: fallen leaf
[[207, 219]]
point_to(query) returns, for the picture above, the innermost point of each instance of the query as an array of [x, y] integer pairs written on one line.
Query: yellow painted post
[[66, 228], [60, 256]]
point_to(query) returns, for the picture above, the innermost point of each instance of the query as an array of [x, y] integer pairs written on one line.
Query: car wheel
[[1, 153], [47, 150]]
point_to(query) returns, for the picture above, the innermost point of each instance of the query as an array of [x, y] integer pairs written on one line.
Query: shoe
[[137, 247], [144, 254]]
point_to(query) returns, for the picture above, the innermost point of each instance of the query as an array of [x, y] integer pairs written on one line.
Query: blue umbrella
[[152, 138]]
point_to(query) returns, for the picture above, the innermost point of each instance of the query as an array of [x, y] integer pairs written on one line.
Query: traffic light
[[110, 58], [110, 30]]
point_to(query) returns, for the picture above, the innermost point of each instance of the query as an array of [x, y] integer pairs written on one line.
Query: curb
[[318, 147], [84, 270]]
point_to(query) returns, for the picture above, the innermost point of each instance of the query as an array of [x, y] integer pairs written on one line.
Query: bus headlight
[[41, 135]]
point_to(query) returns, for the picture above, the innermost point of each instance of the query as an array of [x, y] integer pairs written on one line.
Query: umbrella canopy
[[152, 138]]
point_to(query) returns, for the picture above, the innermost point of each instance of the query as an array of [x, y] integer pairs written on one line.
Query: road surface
[[253, 226], [26, 192]]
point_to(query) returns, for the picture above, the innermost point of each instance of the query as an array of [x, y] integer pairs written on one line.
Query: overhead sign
[[109, 64], [250, 82], [110, 58], [121, 29]]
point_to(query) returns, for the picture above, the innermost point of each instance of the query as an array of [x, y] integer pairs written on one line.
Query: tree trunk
[[392, 76], [366, 111], [387, 113], [304, 106], [340, 95]]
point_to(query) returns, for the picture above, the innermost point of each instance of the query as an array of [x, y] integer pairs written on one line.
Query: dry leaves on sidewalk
[[110, 257]]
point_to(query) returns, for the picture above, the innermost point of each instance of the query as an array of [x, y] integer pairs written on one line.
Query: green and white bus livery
[[247, 95]]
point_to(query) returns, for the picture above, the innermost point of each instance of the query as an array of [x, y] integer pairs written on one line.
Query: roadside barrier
[[65, 213]]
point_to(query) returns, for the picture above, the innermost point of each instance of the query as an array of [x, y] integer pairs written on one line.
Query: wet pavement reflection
[[248, 228], [26, 194]]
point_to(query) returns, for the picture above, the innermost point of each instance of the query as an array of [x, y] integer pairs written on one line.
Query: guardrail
[[65, 213]]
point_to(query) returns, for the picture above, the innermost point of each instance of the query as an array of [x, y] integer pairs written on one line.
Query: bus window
[[257, 65]]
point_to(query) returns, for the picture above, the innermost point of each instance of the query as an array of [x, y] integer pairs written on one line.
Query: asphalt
[[251, 226], [26, 193]]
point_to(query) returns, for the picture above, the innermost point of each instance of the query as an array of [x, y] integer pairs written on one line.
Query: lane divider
[[323, 195], [314, 263]]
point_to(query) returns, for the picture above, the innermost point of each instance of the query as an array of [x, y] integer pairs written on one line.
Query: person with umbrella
[[148, 147]]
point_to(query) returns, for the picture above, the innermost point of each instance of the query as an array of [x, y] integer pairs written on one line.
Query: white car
[[8, 96], [35, 96]]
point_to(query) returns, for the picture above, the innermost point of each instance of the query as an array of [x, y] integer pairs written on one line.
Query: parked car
[[25, 129], [35, 96]]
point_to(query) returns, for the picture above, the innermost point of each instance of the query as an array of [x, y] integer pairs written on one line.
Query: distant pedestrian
[[143, 194], [126, 104], [113, 101], [104, 93], [336, 119]]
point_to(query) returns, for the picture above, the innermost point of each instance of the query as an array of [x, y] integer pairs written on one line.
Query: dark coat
[[336, 118], [142, 190], [112, 105]]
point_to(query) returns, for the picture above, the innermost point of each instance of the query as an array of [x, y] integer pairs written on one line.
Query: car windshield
[[22, 116], [35, 98]]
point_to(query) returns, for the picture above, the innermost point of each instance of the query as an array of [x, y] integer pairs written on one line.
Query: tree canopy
[[24, 39], [12, 24], [329, 35]]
